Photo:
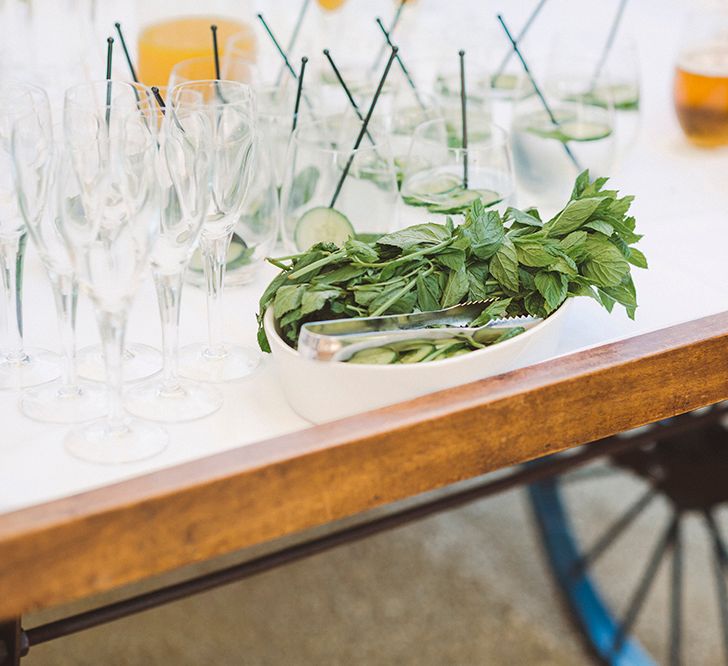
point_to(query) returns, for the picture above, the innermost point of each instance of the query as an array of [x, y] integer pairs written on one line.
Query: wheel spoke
[[676, 599], [614, 531], [720, 561], [643, 587]]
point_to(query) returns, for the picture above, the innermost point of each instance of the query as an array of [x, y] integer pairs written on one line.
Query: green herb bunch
[[527, 265]]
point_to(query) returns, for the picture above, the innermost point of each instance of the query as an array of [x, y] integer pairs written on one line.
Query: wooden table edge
[[81, 545]]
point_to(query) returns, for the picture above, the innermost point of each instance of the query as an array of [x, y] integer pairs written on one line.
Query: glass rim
[[249, 92], [318, 143], [90, 85]]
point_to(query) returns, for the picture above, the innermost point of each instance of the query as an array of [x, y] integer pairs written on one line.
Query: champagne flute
[[46, 192], [231, 109], [111, 138], [184, 173], [19, 367]]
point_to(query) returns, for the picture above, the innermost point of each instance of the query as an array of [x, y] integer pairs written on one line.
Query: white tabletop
[[681, 207]]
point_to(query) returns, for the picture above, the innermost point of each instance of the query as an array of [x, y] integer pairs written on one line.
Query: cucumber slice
[[320, 225], [374, 356], [574, 130], [436, 186], [464, 199], [417, 355]]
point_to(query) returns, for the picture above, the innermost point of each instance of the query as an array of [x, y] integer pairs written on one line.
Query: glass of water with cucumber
[[552, 146], [317, 205], [446, 180]]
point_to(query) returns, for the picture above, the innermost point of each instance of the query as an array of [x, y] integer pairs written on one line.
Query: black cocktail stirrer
[[524, 30], [304, 60], [538, 92], [132, 71], [286, 61], [347, 92], [215, 51], [109, 55], [405, 71], [363, 129], [160, 99], [464, 114], [294, 36], [392, 27], [609, 43]]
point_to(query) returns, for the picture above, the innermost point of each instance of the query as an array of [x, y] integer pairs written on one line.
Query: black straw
[[405, 71], [160, 99], [294, 36], [537, 90], [134, 76], [392, 26], [278, 47], [304, 60], [109, 55], [364, 125], [215, 51], [524, 30], [464, 114], [349, 96], [609, 43]]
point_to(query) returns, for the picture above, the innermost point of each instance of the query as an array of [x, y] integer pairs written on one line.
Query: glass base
[[100, 442], [140, 361], [186, 402], [31, 368], [56, 403], [227, 364]]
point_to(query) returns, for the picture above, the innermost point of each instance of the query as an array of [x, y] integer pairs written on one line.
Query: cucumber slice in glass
[[322, 225], [464, 199], [374, 356]]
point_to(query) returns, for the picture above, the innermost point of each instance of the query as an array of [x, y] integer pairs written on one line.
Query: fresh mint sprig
[[526, 265]]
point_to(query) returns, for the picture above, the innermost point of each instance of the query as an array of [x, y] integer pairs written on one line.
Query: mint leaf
[[504, 265], [288, 298], [485, 233], [428, 293], [553, 287], [601, 226], [637, 258], [314, 300], [456, 287], [604, 265], [572, 217], [532, 253], [420, 234], [495, 310]]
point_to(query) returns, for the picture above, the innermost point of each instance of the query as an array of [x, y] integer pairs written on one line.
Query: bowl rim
[[276, 340]]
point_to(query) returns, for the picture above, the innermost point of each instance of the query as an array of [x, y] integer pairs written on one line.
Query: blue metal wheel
[[673, 478]]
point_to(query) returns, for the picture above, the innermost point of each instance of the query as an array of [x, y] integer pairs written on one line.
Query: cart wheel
[[682, 477]]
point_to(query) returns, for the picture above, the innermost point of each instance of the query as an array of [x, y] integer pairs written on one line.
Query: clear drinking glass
[[230, 105], [447, 96], [615, 76], [366, 204], [549, 152], [19, 366], [46, 192], [447, 180], [110, 132], [184, 174]]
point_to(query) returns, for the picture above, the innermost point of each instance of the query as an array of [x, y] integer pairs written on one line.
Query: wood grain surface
[[95, 541]]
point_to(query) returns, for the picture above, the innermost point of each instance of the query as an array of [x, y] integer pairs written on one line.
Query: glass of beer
[[701, 79]]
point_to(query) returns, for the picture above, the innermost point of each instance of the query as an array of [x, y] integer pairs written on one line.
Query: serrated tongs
[[339, 339]]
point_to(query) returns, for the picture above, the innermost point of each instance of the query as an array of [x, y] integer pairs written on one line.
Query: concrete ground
[[465, 587]]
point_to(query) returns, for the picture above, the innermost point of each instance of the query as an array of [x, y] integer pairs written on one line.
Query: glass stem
[[214, 251], [12, 253], [169, 290], [112, 326], [65, 293]]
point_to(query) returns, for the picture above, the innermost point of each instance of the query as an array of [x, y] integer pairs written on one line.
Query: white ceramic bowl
[[323, 391]]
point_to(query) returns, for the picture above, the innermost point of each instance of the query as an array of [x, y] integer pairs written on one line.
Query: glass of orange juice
[[173, 32], [700, 88]]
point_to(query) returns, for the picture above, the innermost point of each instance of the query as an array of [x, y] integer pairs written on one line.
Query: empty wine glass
[[230, 105], [46, 192], [232, 68], [19, 366], [184, 174], [111, 139]]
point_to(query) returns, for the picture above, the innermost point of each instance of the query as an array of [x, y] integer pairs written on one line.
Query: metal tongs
[[339, 339]]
